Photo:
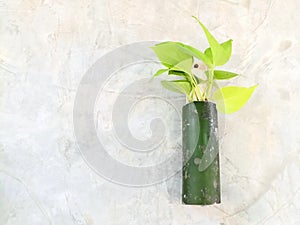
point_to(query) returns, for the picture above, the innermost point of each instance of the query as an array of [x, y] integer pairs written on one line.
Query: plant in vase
[[201, 172]]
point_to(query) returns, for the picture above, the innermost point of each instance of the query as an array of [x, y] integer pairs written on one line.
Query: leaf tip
[[196, 18]]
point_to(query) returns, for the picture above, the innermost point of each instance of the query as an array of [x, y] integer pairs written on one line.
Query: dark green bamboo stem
[[201, 173]]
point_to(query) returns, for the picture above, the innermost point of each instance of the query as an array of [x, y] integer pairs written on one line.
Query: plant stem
[[204, 93], [197, 90], [210, 83], [198, 93]]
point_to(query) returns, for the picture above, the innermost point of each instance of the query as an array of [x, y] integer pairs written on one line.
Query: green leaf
[[227, 45], [196, 53], [177, 72], [231, 99], [185, 65], [170, 54], [218, 53], [208, 53], [224, 75], [179, 86], [186, 76], [159, 72]]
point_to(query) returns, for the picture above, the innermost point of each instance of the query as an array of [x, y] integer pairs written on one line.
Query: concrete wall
[[46, 47]]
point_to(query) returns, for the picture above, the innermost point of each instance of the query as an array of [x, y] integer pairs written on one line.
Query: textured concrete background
[[47, 45]]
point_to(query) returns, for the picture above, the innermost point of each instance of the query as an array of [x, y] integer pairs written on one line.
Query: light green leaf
[[231, 99], [224, 75], [196, 53], [159, 72], [179, 86], [227, 45], [219, 55], [208, 53], [185, 65], [170, 54]]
